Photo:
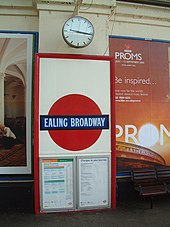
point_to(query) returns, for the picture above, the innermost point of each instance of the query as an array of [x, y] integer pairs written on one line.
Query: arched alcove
[[14, 94]]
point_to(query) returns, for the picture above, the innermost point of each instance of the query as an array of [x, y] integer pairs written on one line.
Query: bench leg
[[151, 202]]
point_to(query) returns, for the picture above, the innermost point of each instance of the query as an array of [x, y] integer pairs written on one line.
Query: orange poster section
[[142, 102]]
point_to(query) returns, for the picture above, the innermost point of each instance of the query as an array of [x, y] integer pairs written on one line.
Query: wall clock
[[78, 32]]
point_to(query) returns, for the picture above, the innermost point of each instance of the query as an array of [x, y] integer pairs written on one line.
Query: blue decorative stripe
[[74, 122], [35, 36], [138, 38]]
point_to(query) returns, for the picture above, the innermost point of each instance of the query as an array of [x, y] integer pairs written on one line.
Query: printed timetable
[[57, 184], [94, 182]]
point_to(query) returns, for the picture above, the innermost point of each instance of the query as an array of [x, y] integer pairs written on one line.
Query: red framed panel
[[38, 57]]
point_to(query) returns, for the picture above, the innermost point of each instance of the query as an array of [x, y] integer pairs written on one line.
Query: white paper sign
[[93, 182]]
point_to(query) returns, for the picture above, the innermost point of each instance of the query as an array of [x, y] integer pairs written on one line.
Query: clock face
[[78, 32]]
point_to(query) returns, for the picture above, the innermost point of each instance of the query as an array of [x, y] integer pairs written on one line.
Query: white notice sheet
[[93, 182]]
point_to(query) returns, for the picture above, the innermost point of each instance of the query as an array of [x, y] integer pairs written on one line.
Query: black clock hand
[[85, 33]]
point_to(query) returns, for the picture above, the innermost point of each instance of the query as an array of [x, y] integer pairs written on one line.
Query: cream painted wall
[[127, 20], [141, 21], [50, 31], [141, 30], [19, 23]]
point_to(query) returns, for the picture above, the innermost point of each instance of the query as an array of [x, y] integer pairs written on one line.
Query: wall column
[[1, 98]]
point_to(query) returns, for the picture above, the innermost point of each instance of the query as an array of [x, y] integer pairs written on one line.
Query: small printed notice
[[57, 184], [94, 182]]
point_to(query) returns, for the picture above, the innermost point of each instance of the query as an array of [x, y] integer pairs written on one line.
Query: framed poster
[[142, 88], [16, 66], [57, 181], [93, 182]]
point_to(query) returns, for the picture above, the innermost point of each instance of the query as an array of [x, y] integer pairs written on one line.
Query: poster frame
[[24, 172]]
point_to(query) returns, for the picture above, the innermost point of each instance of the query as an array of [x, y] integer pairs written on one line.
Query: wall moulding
[[142, 14]]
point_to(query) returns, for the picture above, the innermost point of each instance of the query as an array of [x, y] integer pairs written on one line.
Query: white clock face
[[78, 32]]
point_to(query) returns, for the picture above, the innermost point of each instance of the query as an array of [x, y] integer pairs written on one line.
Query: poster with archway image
[[142, 92], [16, 65]]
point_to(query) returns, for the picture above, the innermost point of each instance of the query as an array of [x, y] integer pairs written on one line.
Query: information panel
[[94, 191], [57, 186], [72, 132]]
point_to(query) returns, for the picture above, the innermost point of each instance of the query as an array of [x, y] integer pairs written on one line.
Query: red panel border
[[36, 121], [113, 133]]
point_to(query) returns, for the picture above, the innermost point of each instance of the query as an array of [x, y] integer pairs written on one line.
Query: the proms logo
[[127, 55]]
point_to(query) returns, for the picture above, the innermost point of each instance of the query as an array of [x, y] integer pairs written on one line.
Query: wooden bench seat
[[147, 184], [163, 175]]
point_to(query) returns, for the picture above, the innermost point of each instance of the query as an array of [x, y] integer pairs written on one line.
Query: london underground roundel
[[74, 122]]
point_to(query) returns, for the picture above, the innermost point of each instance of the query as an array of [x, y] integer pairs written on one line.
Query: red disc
[[73, 105]]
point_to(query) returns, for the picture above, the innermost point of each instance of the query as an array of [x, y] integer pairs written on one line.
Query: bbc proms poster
[[142, 96]]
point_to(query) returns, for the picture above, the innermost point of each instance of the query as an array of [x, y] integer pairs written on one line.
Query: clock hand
[[85, 33]]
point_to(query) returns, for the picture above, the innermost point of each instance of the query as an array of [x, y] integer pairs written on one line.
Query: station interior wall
[[124, 19]]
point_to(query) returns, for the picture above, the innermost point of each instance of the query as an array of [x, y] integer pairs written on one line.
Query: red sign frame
[[36, 121]]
